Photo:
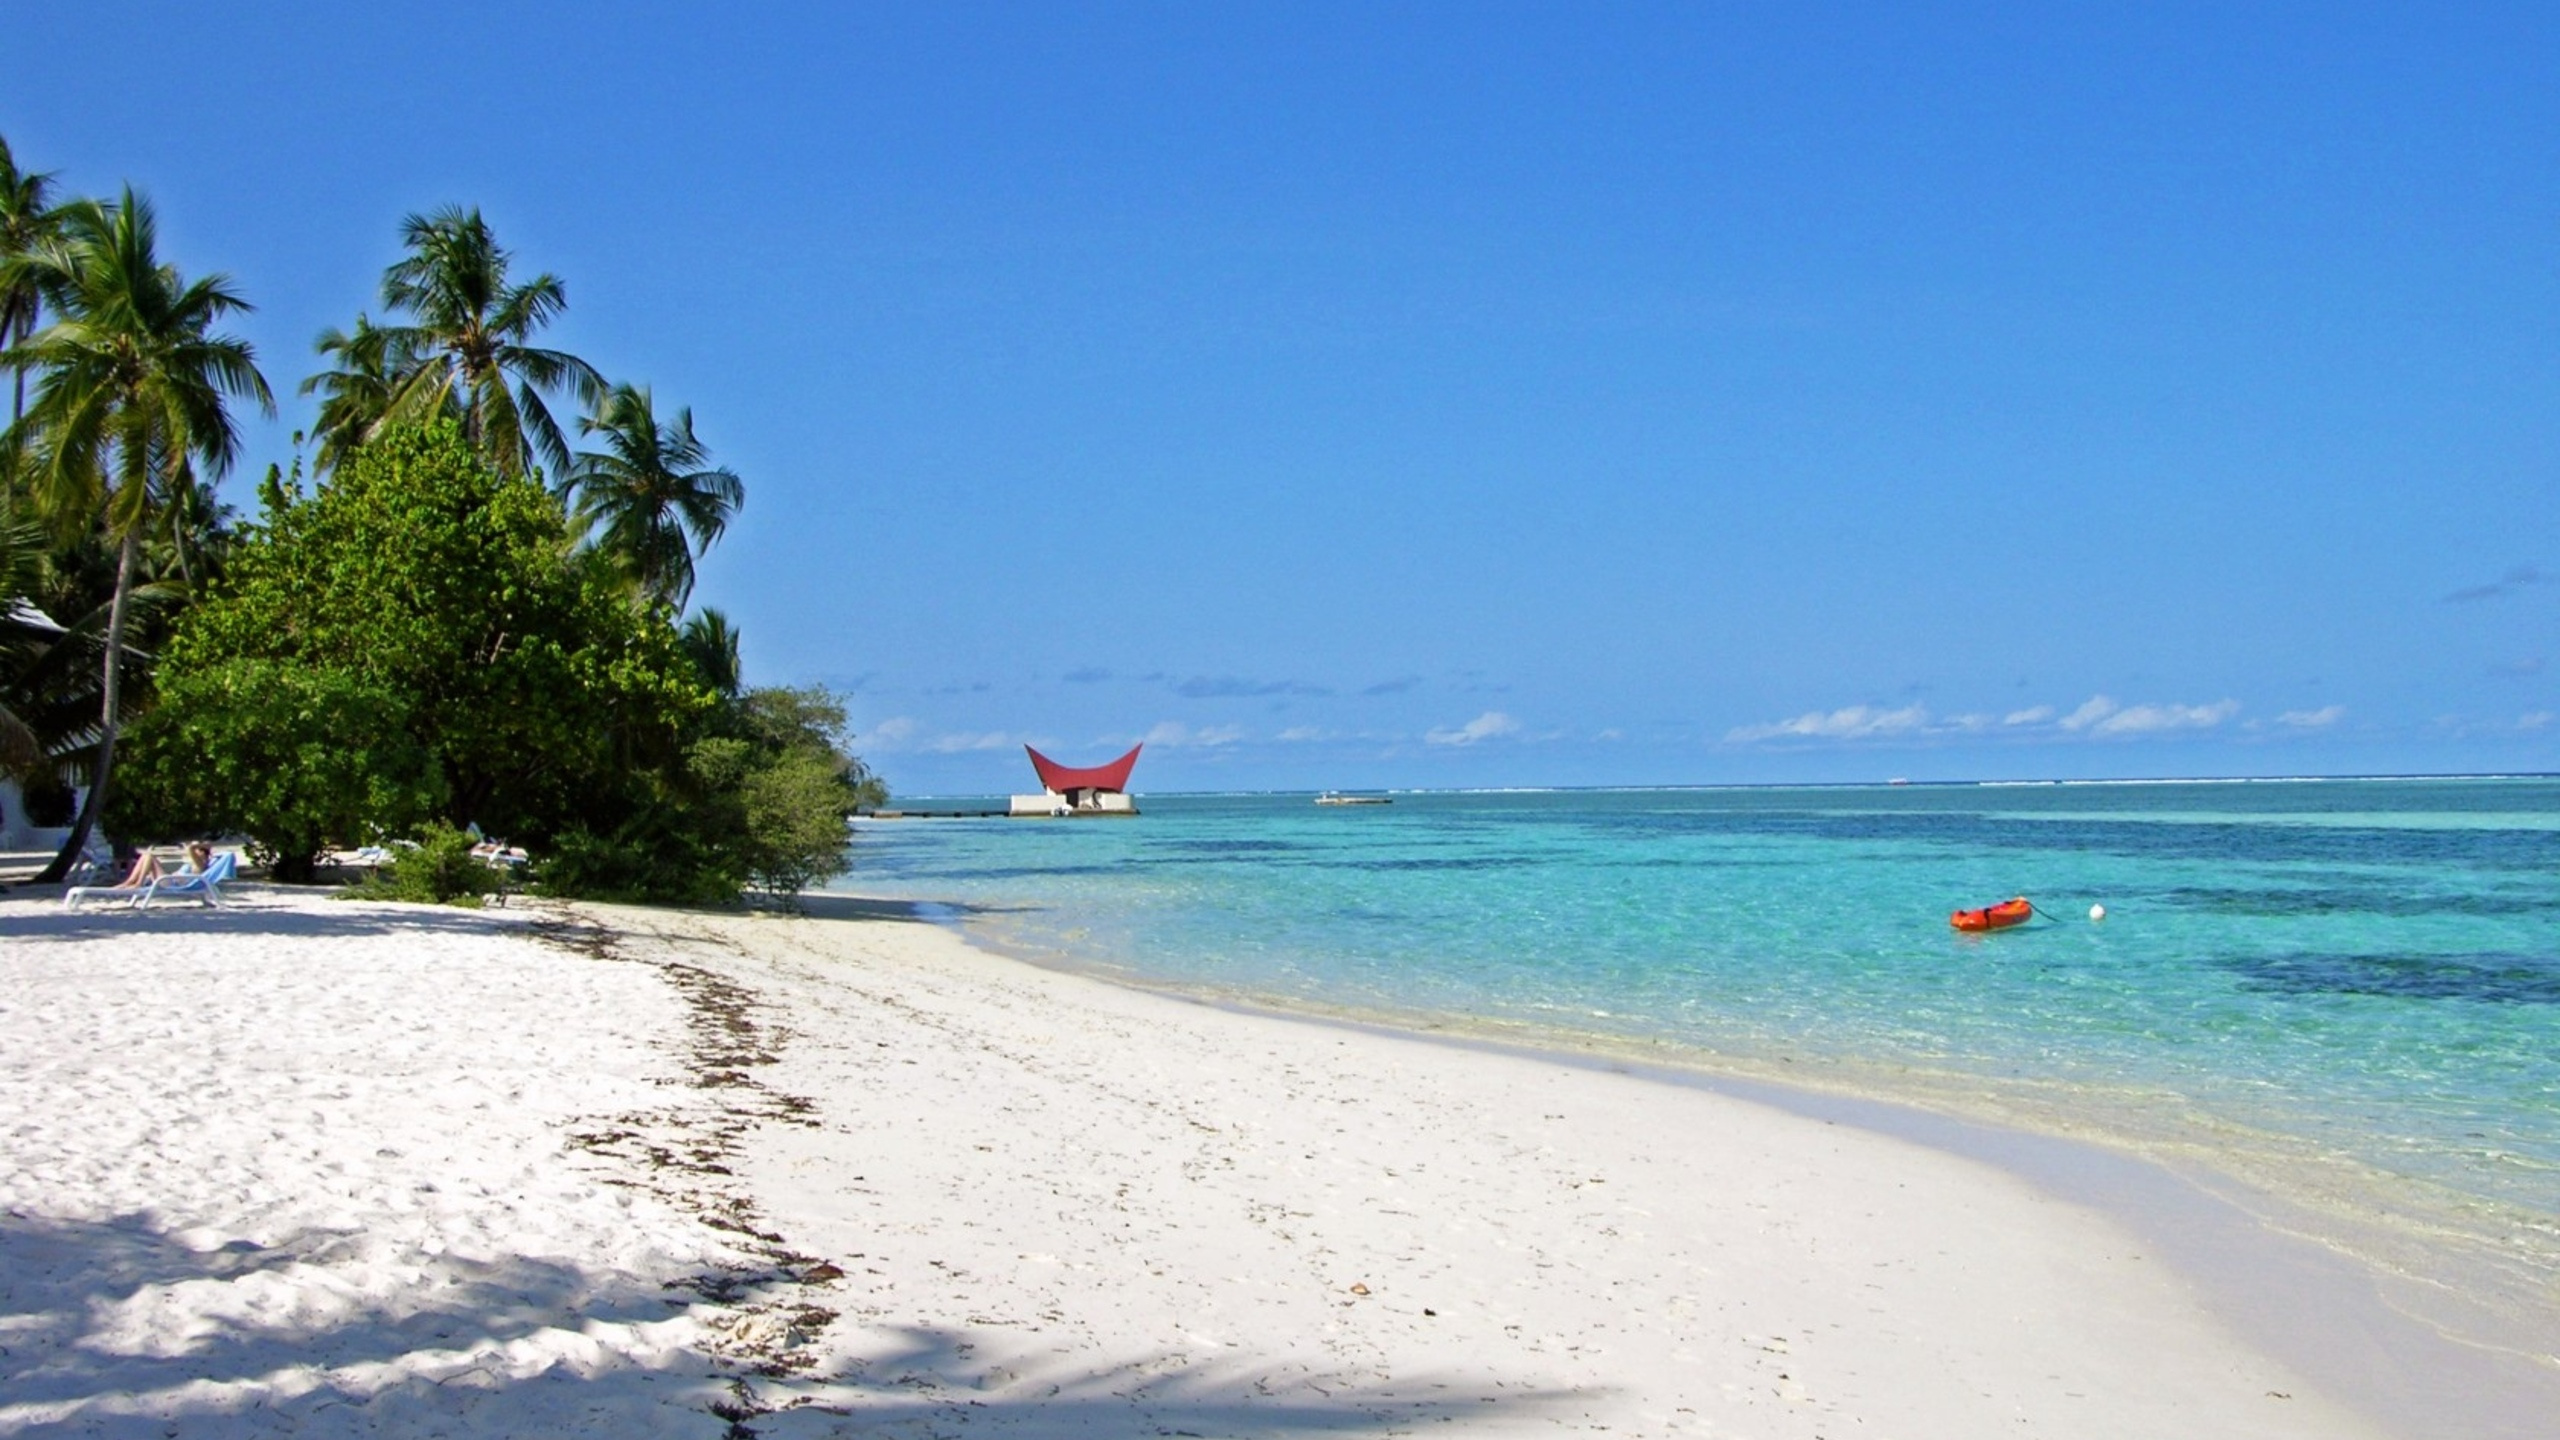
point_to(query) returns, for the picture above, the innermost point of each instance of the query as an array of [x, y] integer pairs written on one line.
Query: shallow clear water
[[2369, 968]]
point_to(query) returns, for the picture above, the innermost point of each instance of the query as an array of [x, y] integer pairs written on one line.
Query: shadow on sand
[[122, 1328], [933, 1382], [247, 910], [37, 913]]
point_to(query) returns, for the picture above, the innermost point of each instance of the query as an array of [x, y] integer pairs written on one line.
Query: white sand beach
[[317, 1167]]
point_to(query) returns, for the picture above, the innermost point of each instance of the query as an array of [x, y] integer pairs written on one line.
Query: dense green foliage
[[544, 698], [299, 757], [770, 788], [417, 640]]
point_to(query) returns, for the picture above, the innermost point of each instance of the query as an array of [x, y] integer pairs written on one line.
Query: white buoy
[[2097, 913]]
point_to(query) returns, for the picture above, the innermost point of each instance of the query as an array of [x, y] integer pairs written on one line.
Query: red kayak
[[1994, 917]]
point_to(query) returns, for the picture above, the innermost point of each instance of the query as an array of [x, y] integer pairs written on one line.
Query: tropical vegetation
[[461, 626], [132, 396]]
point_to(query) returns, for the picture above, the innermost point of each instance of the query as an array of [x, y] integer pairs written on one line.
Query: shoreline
[[2363, 1301], [475, 1172], [1945, 1296]]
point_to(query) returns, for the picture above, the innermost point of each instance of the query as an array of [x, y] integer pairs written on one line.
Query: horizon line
[[1889, 784]]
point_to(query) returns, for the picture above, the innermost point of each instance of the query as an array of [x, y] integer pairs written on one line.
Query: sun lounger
[[90, 880], [129, 894], [204, 885]]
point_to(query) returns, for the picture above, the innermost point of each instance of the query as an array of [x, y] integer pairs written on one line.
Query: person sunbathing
[[138, 877], [146, 868]]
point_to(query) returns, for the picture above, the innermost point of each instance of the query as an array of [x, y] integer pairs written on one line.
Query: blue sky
[[1483, 394]]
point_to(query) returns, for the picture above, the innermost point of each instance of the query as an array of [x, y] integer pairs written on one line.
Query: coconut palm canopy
[[650, 499], [29, 222], [711, 642], [467, 350], [357, 392]]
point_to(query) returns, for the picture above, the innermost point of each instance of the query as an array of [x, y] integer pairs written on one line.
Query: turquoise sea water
[[2361, 970]]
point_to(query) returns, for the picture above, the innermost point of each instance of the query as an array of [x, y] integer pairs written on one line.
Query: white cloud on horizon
[[2321, 718], [2097, 716], [2153, 719], [1852, 722], [1490, 725], [905, 734], [963, 742], [1174, 735], [2091, 711]]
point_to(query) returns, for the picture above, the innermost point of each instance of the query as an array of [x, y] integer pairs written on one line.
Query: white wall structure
[[1049, 803], [15, 832]]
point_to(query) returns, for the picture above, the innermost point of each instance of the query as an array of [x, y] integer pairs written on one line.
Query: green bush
[[795, 786], [440, 870], [663, 856], [795, 810]]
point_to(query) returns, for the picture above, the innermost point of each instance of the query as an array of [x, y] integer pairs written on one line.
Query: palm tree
[[649, 489], [359, 391], [471, 340], [53, 645], [23, 632], [711, 643], [28, 223], [131, 400]]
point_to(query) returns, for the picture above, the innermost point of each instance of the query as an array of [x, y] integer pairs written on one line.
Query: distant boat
[[1336, 797]]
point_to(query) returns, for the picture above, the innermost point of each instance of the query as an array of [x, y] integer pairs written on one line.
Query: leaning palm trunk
[[109, 717]]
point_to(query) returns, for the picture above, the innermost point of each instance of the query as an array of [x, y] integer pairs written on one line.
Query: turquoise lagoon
[[2342, 978]]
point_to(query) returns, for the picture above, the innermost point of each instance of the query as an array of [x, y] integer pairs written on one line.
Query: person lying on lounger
[[145, 869]]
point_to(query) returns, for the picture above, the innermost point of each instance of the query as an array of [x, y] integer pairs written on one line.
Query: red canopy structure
[[1066, 779]]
